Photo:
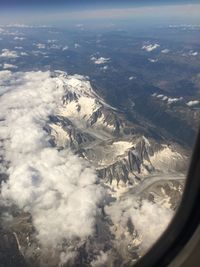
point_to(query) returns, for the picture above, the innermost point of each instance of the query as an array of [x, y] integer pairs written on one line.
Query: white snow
[[166, 159], [101, 121], [87, 107], [60, 135], [121, 147]]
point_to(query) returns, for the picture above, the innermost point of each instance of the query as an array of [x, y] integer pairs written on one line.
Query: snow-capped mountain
[[101, 134]]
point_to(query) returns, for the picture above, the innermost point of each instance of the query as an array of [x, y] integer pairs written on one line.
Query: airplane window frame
[[184, 224]]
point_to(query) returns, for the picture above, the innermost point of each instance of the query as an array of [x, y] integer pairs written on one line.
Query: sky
[[59, 12], [93, 2]]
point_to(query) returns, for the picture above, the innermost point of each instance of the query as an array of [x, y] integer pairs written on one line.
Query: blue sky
[[60, 11]]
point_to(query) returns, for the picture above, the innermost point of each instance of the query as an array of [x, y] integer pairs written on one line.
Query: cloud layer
[[56, 187]]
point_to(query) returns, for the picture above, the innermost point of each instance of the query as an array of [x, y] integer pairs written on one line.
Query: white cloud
[[159, 96], [18, 47], [77, 45], [149, 219], [165, 98], [165, 51], [65, 48], [153, 60], [56, 187], [40, 46], [23, 54], [193, 53], [193, 103], [55, 46], [38, 53], [170, 100], [20, 25], [174, 100], [150, 48], [8, 53], [132, 78], [100, 60], [104, 68], [19, 38], [154, 94], [51, 41], [9, 66]]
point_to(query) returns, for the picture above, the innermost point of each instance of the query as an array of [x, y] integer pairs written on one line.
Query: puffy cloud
[[169, 100], [9, 66], [150, 48], [193, 53], [8, 53], [165, 98], [174, 100], [100, 60], [165, 51], [58, 188], [152, 60], [153, 217], [193, 103], [104, 68], [19, 38], [65, 48], [23, 54], [77, 45], [55, 46], [18, 47], [159, 96], [41, 46], [143, 215], [51, 41], [131, 78]]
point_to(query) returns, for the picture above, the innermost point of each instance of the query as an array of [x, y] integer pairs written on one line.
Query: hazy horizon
[[61, 14]]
